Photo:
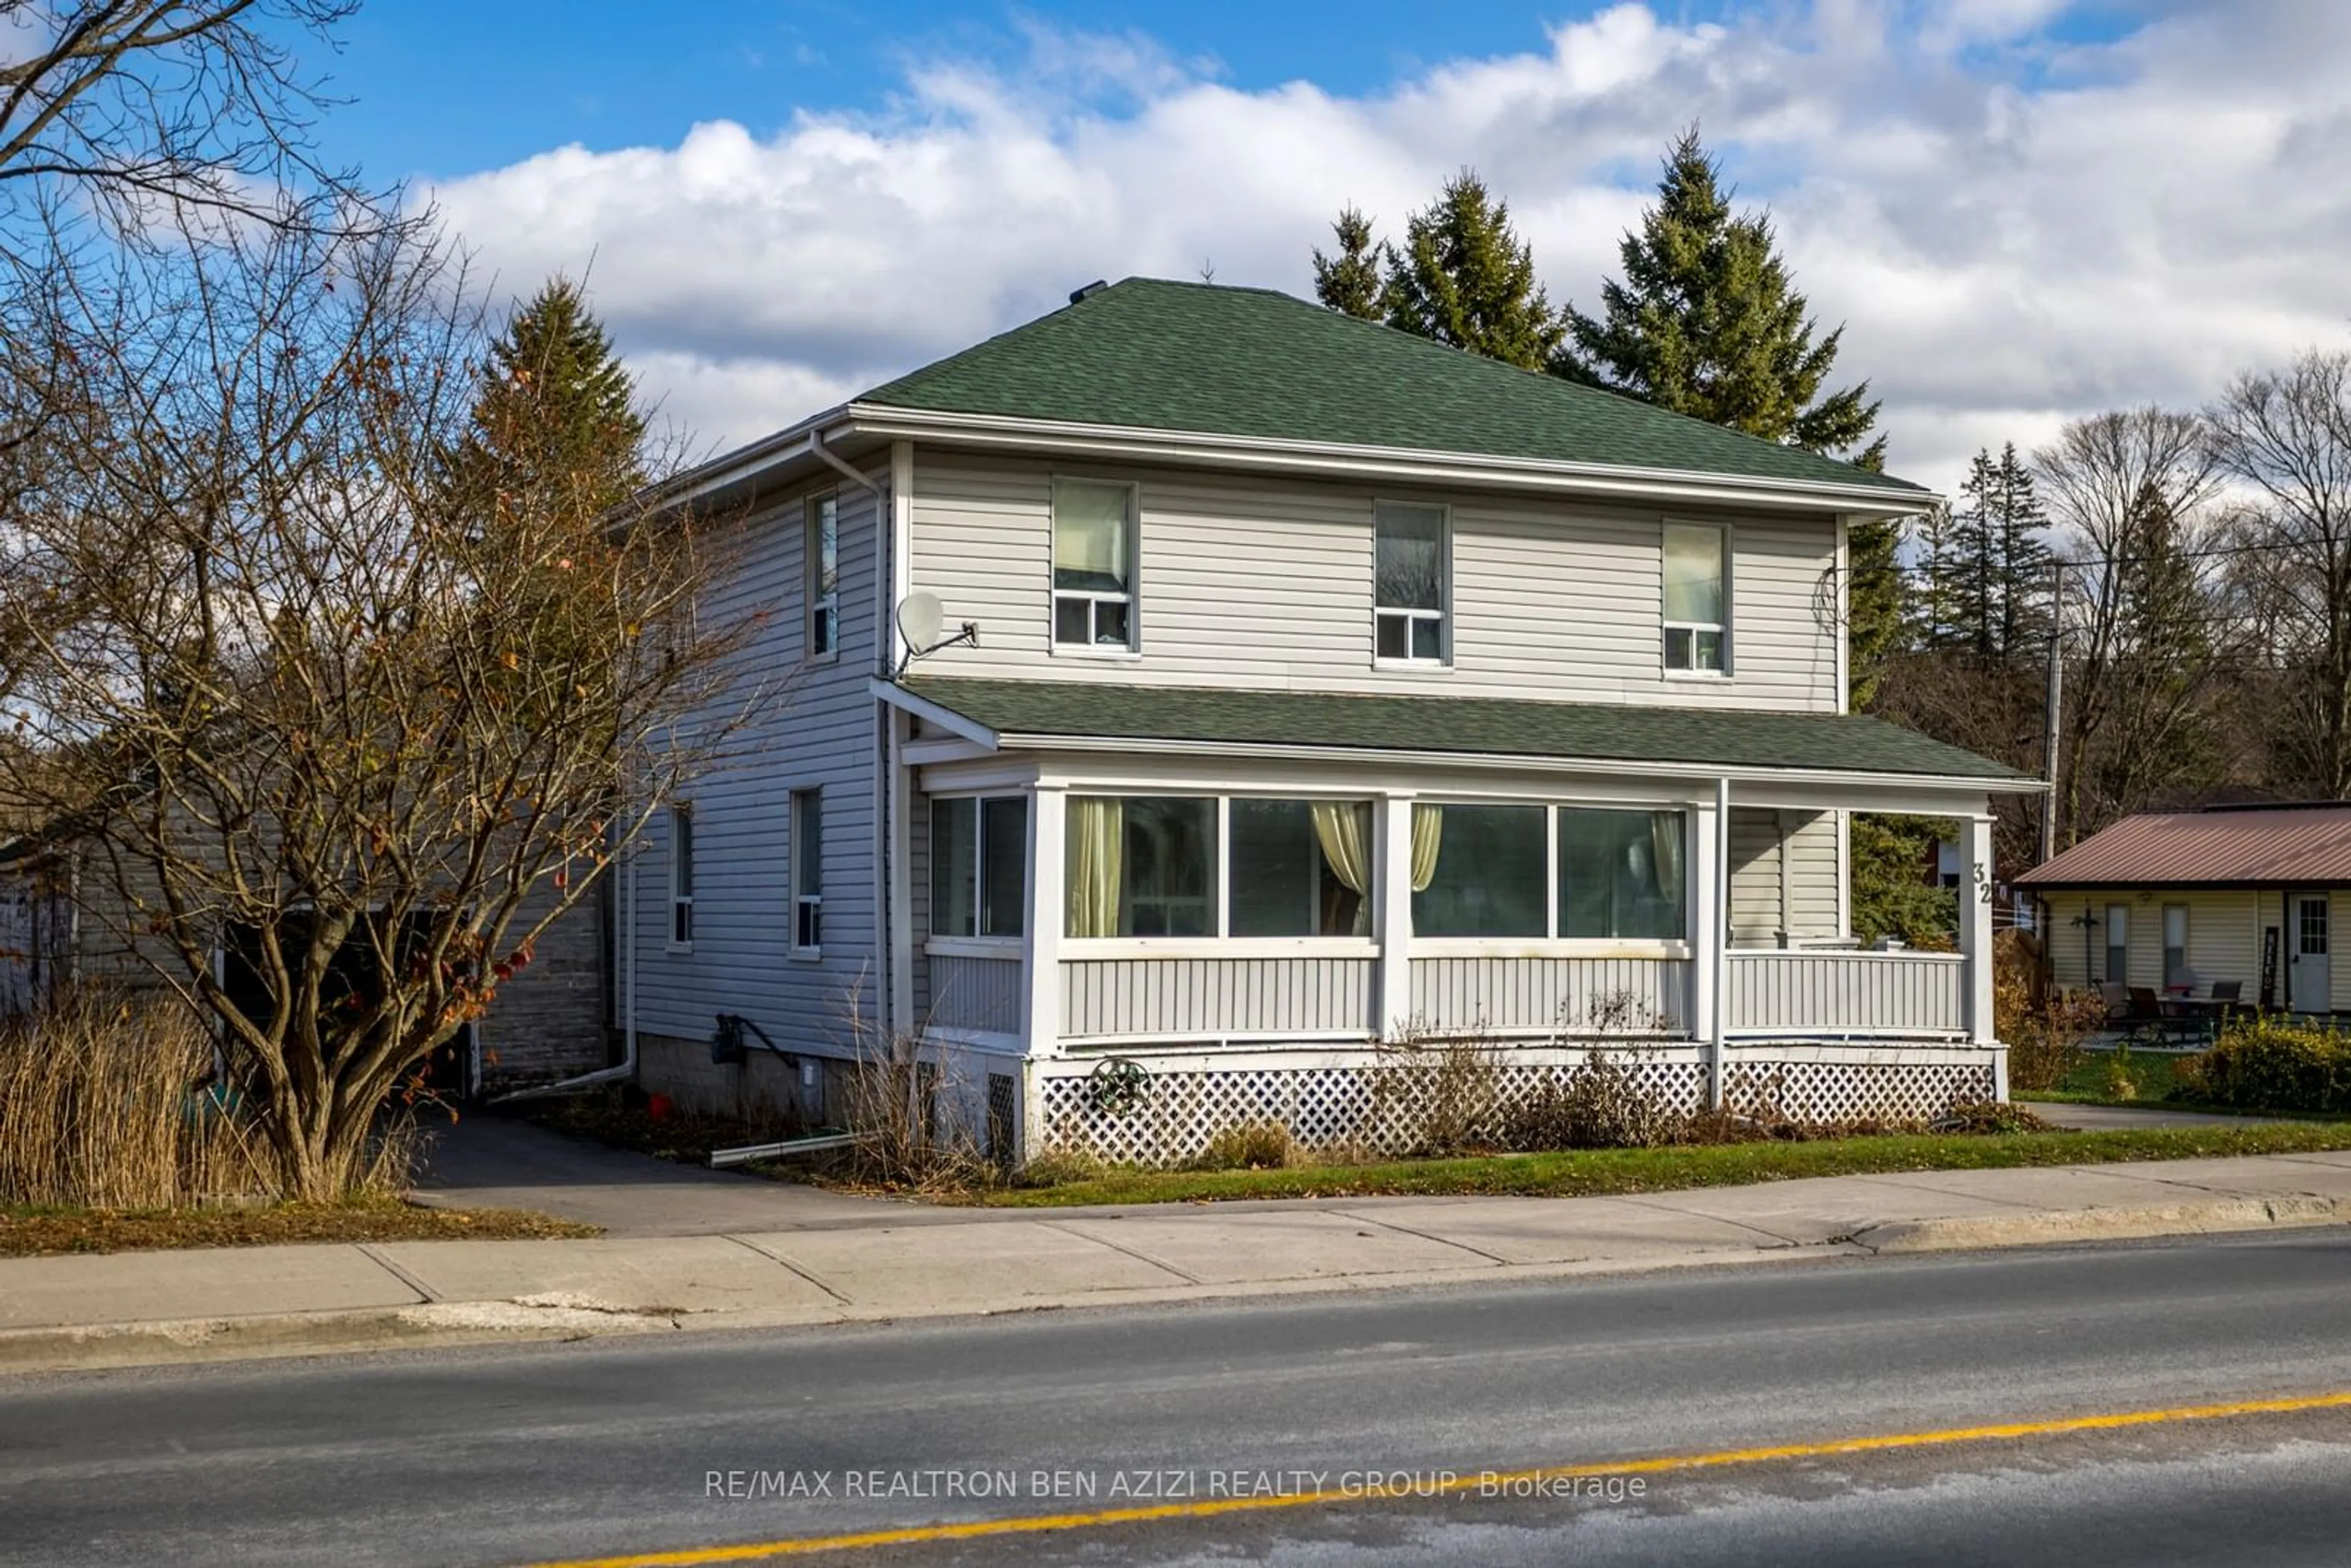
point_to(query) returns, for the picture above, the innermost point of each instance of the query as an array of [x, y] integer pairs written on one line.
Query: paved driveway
[[495, 1162]]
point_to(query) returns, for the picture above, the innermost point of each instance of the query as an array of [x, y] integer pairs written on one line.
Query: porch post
[[1975, 928], [1394, 874], [1710, 862], [1041, 1005]]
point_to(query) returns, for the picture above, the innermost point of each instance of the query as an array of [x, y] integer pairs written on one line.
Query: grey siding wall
[[817, 731], [1800, 900], [1267, 582]]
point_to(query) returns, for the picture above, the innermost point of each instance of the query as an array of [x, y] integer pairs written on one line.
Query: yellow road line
[[1031, 1524]]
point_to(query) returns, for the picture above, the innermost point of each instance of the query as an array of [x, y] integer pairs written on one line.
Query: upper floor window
[[823, 576], [979, 866], [681, 875], [807, 871], [1409, 573], [1698, 600], [1093, 564]]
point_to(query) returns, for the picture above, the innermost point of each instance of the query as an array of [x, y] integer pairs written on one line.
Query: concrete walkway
[[2110, 1118], [133, 1308], [495, 1162]]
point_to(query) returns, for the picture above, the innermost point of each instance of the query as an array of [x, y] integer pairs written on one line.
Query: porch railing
[[1834, 994], [1176, 998]]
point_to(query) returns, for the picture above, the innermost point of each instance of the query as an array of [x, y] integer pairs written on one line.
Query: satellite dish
[[920, 619]]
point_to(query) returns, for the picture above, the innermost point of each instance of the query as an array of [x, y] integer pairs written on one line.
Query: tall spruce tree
[[555, 407], [1464, 278], [1999, 566], [1706, 322], [1349, 282]]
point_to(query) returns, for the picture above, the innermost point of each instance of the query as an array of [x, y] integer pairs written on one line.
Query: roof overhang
[[850, 429], [975, 734], [1325, 459]]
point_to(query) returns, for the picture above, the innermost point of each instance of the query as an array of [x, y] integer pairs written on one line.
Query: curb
[[2101, 1224], [92, 1346]]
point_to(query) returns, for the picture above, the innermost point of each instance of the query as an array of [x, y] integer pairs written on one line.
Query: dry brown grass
[[33, 1233], [108, 1102]]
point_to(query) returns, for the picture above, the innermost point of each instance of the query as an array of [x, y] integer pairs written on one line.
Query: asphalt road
[[611, 1447]]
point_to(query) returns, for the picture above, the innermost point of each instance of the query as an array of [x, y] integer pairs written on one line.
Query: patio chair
[[2228, 990]]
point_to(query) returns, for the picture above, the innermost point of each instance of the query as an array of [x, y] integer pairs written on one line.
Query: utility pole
[[2049, 720]]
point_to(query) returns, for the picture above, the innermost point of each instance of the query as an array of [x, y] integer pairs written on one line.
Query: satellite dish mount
[[920, 620]]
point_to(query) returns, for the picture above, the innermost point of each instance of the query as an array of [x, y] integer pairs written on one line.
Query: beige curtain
[[1343, 828], [1665, 845], [1096, 849], [1427, 832]]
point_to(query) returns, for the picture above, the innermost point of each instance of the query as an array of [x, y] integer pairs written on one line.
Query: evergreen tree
[[1465, 278], [1349, 282], [2160, 745], [1999, 567], [555, 408], [1706, 322], [1933, 608]]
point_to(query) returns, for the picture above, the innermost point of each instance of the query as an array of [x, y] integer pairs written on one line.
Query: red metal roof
[[2266, 846]]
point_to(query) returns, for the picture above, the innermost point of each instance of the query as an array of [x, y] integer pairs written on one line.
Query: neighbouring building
[[1300, 690], [2251, 895]]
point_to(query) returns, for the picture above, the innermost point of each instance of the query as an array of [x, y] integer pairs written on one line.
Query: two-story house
[[1326, 688]]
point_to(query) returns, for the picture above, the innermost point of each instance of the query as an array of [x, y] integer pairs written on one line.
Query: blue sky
[[2019, 211], [443, 88]]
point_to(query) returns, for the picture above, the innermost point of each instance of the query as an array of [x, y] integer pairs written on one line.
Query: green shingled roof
[[1725, 737], [1249, 362]]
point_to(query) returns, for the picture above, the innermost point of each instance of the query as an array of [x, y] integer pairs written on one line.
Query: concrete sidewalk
[[129, 1308]]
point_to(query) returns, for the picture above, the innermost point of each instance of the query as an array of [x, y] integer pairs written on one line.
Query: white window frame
[[1221, 943], [2185, 970], [823, 624], [806, 903], [2117, 916], [1442, 614], [1691, 672], [680, 877], [1133, 597], [946, 941]]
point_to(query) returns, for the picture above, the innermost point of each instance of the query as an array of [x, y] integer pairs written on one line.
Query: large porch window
[[1567, 873], [1300, 868], [979, 859], [1248, 867]]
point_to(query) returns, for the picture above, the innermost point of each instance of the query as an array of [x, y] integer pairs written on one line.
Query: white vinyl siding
[[1269, 583], [2223, 936], [1798, 901], [820, 734]]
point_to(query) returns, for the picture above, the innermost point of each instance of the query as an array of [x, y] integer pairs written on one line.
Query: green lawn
[[2152, 1075], [33, 1231], [1597, 1172]]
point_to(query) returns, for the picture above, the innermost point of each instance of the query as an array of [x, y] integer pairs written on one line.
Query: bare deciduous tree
[[2285, 435], [135, 103], [306, 692], [2127, 492]]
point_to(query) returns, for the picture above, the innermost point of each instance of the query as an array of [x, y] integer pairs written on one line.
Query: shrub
[[2272, 1064], [2044, 1032], [1600, 1106], [1257, 1147]]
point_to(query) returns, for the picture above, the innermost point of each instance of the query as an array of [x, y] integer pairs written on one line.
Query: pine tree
[[1349, 282], [1933, 609], [1465, 278], [1706, 322], [1999, 567], [555, 407], [2027, 566]]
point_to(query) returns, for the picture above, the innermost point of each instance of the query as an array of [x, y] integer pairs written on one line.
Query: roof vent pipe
[[1088, 292]]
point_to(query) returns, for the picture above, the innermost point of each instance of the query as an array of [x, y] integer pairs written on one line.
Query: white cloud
[[2012, 230]]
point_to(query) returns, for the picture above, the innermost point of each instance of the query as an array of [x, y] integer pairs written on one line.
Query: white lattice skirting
[[1168, 1111]]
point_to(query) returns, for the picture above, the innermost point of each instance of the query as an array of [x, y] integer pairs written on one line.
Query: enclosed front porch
[[1266, 928]]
